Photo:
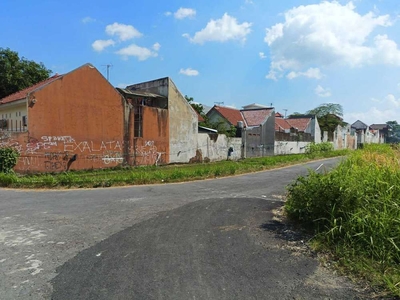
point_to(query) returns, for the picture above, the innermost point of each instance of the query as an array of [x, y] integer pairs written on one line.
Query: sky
[[293, 54]]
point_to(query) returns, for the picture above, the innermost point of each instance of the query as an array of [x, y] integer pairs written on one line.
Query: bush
[[355, 211], [8, 159], [313, 148]]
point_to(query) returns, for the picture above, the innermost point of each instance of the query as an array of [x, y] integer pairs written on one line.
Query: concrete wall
[[215, 146], [183, 124], [282, 147], [183, 120], [259, 141], [78, 114], [316, 131]]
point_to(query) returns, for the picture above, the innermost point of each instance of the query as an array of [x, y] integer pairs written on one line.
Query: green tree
[[329, 116], [394, 132], [18, 73]]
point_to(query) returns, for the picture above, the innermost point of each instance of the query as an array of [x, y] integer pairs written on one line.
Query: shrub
[[355, 211], [8, 159], [313, 148]]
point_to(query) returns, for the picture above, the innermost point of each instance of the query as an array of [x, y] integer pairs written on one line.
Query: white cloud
[[124, 32], [88, 20], [389, 109], [321, 92], [262, 55], [222, 30], [248, 2], [140, 53], [182, 13], [189, 72], [156, 46], [310, 73], [100, 45], [168, 13], [329, 33]]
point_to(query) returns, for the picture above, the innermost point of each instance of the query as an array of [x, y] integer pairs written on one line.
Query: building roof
[[232, 115], [23, 93], [300, 123], [254, 106], [281, 124], [358, 125], [278, 115], [379, 126], [199, 117], [140, 93], [256, 117]]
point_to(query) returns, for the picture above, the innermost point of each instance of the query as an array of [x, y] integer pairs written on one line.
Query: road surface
[[213, 239]]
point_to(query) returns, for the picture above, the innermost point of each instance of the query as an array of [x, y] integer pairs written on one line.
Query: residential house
[[305, 124], [383, 129], [367, 135], [70, 121], [259, 134], [224, 118]]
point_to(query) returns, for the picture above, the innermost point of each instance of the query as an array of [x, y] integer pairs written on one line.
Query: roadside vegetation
[[157, 174], [354, 211]]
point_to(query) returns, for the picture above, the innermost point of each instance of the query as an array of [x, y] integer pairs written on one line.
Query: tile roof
[[255, 117], [379, 126], [358, 125], [299, 123], [199, 117], [281, 124], [232, 115], [278, 115], [23, 93]]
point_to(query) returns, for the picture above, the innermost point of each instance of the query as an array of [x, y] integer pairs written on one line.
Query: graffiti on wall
[[53, 153], [147, 154]]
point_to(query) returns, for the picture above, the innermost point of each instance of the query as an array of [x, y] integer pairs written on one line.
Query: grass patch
[[156, 174], [354, 211]]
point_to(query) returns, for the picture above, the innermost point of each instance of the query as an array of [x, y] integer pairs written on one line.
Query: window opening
[[138, 121]]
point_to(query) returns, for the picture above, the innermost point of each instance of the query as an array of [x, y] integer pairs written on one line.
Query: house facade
[[71, 121]]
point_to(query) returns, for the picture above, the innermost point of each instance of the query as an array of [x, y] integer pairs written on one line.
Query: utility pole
[[285, 109], [108, 71]]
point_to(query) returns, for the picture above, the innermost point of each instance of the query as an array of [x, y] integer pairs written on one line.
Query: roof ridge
[[38, 84]]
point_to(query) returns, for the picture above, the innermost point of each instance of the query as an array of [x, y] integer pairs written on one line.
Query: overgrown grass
[[355, 213], [155, 174]]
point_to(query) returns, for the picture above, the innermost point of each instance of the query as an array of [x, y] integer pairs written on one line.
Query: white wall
[[218, 149], [290, 147]]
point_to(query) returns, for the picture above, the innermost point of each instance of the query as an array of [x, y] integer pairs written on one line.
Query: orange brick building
[[80, 121]]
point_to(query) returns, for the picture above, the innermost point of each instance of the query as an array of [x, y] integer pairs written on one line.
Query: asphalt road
[[213, 239]]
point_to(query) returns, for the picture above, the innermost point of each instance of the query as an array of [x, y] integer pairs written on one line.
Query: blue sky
[[295, 54]]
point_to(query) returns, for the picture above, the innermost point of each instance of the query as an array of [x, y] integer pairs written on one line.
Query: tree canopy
[[19, 73], [329, 116]]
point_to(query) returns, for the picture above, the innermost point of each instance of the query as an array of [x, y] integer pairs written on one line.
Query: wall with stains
[[215, 147], [183, 120], [75, 123], [183, 127], [153, 147]]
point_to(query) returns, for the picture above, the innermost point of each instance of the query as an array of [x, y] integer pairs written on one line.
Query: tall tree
[[329, 116], [18, 73]]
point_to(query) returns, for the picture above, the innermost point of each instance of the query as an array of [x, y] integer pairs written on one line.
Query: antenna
[[219, 103], [108, 70], [285, 109]]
